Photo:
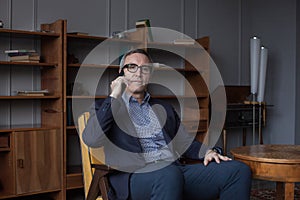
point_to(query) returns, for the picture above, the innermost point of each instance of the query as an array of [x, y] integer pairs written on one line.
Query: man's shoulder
[[166, 104], [102, 102]]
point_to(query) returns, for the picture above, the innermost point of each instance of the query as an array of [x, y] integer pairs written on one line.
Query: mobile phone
[[121, 73], [123, 84]]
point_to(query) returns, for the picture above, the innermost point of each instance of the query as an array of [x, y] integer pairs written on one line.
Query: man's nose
[[139, 71]]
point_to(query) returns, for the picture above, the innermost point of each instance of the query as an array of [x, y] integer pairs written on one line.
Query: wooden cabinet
[[87, 58], [37, 157], [31, 127]]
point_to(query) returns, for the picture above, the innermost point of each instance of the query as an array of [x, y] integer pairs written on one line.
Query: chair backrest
[[87, 155]]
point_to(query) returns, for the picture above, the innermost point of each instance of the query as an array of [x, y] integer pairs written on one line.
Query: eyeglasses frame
[[141, 68]]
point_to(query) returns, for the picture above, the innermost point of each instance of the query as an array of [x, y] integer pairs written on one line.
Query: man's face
[[136, 81]]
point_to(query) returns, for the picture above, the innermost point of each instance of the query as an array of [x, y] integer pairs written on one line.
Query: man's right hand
[[117, 86]]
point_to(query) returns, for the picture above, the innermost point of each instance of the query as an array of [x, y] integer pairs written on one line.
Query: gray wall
[[229, 23], [274, 21]]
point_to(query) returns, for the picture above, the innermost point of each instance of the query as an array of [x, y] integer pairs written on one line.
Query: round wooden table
[[280, 163]]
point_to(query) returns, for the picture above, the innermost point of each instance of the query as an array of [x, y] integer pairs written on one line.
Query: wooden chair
[[94, 172]]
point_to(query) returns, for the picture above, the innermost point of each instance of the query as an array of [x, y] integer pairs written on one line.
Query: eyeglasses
[[131, 67]]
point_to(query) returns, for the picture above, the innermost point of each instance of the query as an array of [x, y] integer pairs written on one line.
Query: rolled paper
[[254, 63], [262, 74]]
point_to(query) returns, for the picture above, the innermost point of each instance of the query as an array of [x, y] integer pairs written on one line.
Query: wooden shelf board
[[196, 45], [42, 193], [101, 39], [175, 97], [25, 195], [28, 33], [71, 127], [5, 149], [74, 65], [90, 37], [74, 187], [24, 127], [74, 181], [29, 97], [74, 174], [181, 70], [6, 196], [169, 69], [87, 97], [28, 64], [125, 41]]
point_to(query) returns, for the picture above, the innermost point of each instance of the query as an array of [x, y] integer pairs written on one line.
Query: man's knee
[[245, 170], [171, 175]]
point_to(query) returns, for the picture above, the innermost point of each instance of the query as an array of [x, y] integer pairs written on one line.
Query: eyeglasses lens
[[133, 68]]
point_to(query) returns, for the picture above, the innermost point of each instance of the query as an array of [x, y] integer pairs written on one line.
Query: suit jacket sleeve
[[100, 122]]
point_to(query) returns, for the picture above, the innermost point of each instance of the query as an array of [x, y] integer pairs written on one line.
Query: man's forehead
[[137, 57]]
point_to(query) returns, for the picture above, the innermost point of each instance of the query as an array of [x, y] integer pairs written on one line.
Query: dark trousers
[[227, 181]]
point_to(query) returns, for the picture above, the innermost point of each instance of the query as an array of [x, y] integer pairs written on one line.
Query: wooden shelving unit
[[31, 128]]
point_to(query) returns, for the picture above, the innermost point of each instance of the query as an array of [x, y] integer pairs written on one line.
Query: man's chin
[[139, 89]]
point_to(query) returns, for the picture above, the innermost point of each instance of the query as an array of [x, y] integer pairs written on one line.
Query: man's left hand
[[212, 155]]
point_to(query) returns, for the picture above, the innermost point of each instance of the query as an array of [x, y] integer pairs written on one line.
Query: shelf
[[5, 149], [154, 44], [6, 196], [24, 127], [28, 64], [10, 32], [74, 181], [87, 97], [71, 127], [38, 195], [89, 37], [77, 65], [74, 177], [101, 38], [177, 97], [29, 97]]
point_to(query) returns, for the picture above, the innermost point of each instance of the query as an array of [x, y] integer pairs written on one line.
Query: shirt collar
[[128, 98]]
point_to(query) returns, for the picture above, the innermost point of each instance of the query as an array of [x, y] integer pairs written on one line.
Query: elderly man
[[143, 138]]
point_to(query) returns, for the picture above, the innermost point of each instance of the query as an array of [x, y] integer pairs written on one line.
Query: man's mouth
[[137, 81]]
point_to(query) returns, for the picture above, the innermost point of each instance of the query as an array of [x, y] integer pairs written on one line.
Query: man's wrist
[[114, 95], [218, 150]]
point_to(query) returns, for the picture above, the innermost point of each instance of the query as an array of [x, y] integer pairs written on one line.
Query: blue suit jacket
[[109, 126]]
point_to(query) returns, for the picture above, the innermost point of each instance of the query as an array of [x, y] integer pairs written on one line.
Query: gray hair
[[141, 51]]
